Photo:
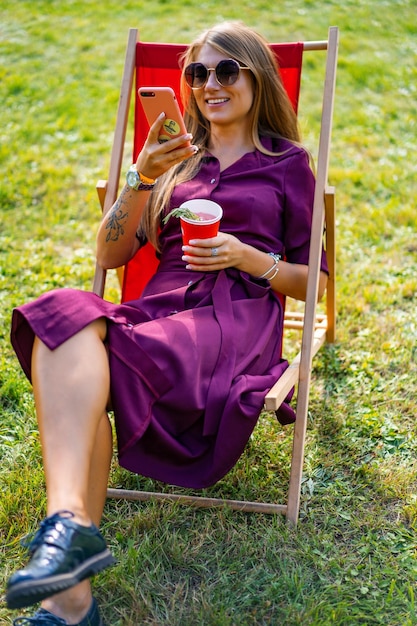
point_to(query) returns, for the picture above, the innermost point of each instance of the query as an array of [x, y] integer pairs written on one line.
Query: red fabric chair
[[156, 64]]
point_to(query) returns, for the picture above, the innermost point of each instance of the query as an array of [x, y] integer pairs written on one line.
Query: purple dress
[[192, 360]]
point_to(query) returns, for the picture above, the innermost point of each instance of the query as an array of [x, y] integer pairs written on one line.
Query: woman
[[187, 366]]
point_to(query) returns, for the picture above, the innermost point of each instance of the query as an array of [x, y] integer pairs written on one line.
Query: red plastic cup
[[208, 226]]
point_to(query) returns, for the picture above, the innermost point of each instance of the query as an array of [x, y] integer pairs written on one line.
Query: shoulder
[[288, 159], [284, 149]]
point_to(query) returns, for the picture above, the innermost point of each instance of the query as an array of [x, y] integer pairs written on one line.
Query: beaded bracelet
[[274, 268]]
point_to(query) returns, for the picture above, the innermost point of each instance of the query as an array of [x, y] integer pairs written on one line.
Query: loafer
[[45, 618], [63, 554]]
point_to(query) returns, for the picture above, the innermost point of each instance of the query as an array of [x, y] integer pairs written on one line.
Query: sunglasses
[[227, 72]]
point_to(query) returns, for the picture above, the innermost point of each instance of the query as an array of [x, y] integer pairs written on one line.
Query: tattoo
[[116, 220]]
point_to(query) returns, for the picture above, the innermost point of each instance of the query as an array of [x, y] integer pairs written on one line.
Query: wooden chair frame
[[316, 328]]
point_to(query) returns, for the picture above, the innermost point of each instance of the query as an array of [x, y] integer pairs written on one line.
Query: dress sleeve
[[298, 209]]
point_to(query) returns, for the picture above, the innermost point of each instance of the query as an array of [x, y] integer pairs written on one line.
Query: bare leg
[[71, 388]]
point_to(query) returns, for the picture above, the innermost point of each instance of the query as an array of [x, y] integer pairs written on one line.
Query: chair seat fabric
[[192, 359]]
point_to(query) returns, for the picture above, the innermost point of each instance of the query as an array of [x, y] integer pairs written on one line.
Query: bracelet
[[275, 273], [274, 266]]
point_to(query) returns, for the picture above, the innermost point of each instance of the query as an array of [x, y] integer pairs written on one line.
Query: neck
[[229, 145]]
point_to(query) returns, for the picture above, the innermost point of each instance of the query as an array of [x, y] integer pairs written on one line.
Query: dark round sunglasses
[[226, 72]]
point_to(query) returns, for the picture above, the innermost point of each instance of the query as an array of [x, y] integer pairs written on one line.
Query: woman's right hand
[[157, 158], [116, 238]]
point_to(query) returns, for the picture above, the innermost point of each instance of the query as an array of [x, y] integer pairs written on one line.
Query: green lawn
[[352, 560]]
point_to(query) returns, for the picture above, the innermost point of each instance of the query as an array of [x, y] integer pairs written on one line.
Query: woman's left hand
[[216, 253]]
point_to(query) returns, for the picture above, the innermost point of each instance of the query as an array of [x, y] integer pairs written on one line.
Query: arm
[[291, 280], [116, 237]]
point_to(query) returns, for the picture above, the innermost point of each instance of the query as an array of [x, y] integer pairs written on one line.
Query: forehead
[[210, 56]]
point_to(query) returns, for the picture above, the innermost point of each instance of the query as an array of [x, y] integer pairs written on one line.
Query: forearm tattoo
[[116, 220]]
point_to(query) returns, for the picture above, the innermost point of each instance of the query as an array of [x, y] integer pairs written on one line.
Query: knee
[[99, 327]]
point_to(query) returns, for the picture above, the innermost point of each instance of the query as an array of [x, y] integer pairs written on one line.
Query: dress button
[[213, 180], [190, 282]]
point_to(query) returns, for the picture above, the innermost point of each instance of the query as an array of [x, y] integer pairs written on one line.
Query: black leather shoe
[[63, 554], [45, 618]]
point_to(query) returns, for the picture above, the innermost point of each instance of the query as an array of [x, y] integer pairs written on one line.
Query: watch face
[[132, 179]]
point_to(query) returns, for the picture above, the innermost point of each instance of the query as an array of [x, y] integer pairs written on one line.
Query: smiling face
[[224, 106]]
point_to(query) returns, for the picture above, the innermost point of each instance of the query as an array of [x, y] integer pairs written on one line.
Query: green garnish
[[182, 213]]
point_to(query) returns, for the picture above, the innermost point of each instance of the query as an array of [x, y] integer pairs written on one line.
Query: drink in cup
[[210, 214]]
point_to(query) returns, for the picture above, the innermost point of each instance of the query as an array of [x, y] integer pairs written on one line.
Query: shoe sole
[[32, 591]]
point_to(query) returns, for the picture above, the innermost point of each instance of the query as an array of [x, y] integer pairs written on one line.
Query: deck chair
[[157, 64]]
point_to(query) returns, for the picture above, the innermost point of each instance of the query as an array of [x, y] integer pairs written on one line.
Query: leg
[[73, 604], [71, 388]]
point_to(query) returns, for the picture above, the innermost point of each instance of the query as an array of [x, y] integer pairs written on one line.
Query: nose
[[212, 80]]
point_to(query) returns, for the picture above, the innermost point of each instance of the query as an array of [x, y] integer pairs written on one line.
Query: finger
[[194, 260], [170, 144], [194, 252], [158, 158], [203, 267], [155, 128], [211, 242], [176, 154], [206, 256], [177, 150], [183, 141]]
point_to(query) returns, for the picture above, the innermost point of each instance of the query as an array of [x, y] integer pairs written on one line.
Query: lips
[[216, 100]]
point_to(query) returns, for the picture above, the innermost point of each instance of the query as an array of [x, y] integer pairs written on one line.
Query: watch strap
[[145, 180], [138, 181]]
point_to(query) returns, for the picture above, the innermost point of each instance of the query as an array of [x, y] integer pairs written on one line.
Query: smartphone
[[156, 100]]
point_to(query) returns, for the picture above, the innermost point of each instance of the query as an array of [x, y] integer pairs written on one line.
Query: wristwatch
[[138, 181]]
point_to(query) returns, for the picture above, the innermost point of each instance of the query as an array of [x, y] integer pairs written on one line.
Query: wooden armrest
[[101, 187]]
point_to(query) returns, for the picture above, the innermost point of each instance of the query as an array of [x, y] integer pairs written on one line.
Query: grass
[[352, 560]]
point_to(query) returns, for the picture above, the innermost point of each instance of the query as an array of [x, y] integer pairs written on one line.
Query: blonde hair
[[272, 114]]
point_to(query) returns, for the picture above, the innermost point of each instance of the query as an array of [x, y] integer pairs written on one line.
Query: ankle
[[71, 605], [76, 514]]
